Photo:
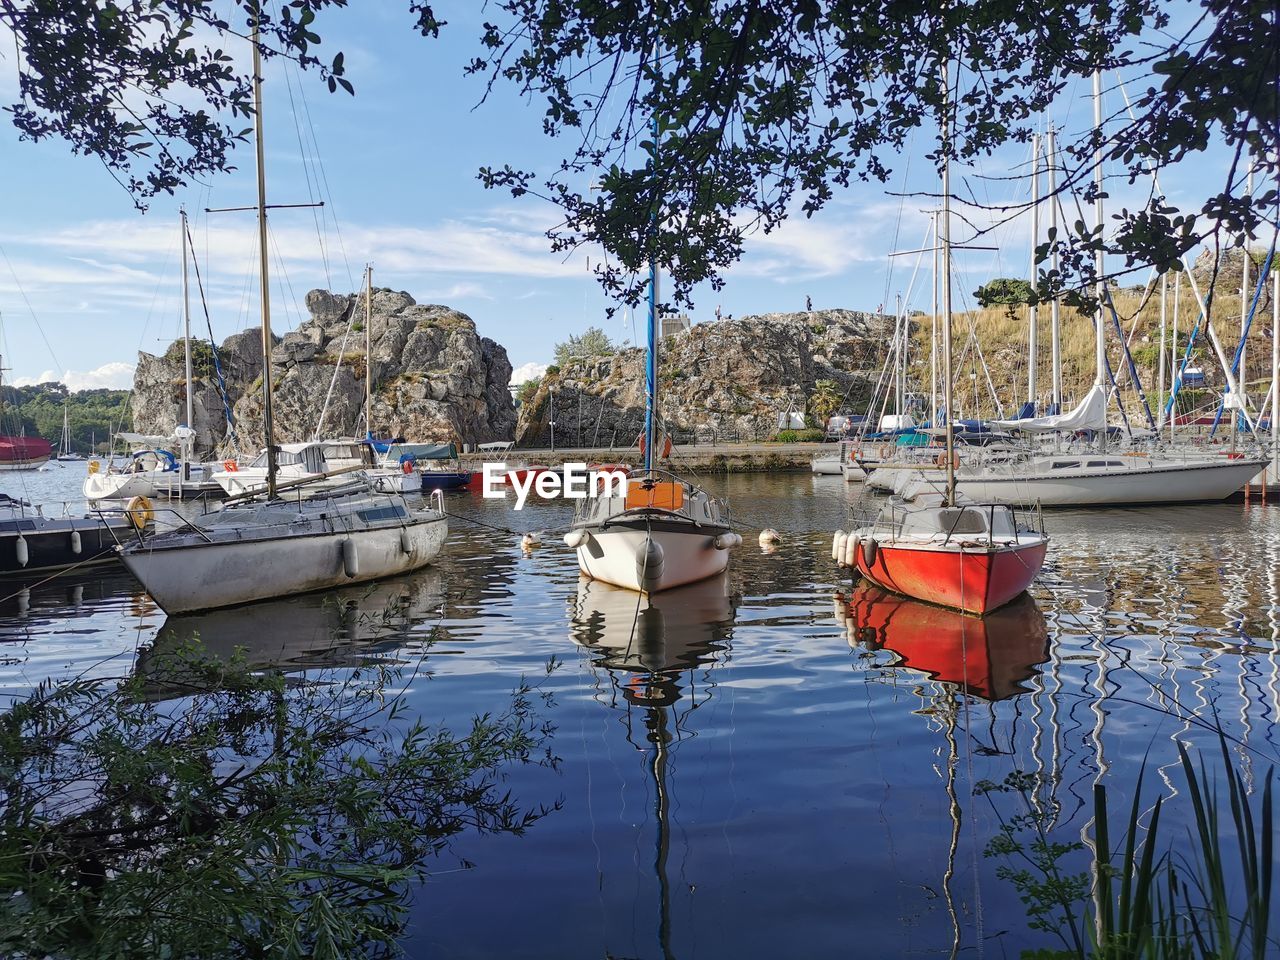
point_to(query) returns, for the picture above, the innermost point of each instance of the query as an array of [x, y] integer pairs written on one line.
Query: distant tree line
[[92, 414]]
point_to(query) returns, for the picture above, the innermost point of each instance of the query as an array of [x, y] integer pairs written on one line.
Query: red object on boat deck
[[975, 578], [989, 657]]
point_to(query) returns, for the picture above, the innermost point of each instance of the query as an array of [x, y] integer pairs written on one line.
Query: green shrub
[[799, 436]]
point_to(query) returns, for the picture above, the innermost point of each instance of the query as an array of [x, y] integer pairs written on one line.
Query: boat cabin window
[[284, 458], [1065, 464], [341, 451]]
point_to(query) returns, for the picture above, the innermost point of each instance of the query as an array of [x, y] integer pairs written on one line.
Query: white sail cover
[[1090, 414]]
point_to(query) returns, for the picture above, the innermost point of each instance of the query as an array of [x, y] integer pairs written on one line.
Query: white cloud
[[526, 372], [115, 375]]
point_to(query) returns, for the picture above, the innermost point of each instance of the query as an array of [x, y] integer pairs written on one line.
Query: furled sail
[[1090, 414]]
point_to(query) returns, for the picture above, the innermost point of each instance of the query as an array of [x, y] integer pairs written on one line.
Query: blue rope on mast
[[1133, 367], [1248, 325]]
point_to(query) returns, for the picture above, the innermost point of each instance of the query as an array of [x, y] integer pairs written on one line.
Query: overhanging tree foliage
[[764, 107]]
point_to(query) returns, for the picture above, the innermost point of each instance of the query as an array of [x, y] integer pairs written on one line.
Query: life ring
[[941, 460], [230, 466], [139, 512]]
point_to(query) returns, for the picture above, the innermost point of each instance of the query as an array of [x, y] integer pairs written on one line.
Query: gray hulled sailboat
[[276, 547]]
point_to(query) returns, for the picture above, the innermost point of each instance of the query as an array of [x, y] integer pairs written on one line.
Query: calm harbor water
[[772, 764]]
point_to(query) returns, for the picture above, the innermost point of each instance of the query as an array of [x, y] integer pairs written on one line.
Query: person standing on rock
[[808, 304]]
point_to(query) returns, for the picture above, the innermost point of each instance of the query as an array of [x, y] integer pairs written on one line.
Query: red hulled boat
[[24, 453], [970, 557]]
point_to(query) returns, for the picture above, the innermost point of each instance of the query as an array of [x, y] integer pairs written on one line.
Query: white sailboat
[[65, 453], [154, 470], [278, 547], [662, 531], [1100, 477]]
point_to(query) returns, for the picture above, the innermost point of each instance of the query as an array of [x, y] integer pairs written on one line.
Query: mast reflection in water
[[963, 657], [656, 651]]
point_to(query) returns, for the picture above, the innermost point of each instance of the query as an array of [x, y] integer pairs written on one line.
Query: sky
[[86, 281]]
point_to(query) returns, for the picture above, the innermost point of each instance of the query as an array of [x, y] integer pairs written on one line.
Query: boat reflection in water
[[657, 651], [312, 631], [989, 657], [963, 657]]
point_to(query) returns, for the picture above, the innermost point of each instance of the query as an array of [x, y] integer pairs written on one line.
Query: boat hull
[[616, 552], [826, 466], [228, 573], [52, 547], [974, 579], [29, 463], [853, 473], [444, 480], [119, 486], [1174, 483]]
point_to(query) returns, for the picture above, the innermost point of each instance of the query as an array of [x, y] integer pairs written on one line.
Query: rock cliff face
[[731, 378], [434, 377]]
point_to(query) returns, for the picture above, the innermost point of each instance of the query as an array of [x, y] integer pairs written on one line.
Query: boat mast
[[1051, 158], [186, 319], [945, 234], [268, 427], [1275, 370], [1173, 354], [933, 338], [1164, 311], [1033, 343], [651, 356], [1100, 286], [368, 350]]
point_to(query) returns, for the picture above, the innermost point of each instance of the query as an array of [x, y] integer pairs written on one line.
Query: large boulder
[[433, 377]]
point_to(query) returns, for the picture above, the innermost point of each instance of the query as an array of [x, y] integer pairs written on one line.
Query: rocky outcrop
[[433, 376], [731, 378]]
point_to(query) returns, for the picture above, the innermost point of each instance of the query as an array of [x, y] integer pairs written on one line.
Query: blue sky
[[86, 281]]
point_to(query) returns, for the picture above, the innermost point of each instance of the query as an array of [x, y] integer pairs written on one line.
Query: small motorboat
[[30, 542]]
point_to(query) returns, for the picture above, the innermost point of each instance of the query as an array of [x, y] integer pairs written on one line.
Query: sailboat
[[260, 550], [943, 548], [153, 470], [662, 532], [1102, 477], [65, 453]]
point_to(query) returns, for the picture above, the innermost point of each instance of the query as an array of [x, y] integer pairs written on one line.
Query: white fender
[[869, 550], [75, 542], [836, 553], [851, 551], [21, 547], [727, 541], [576, 538], [841, 548], [649, 564], [406, 540], [350, 558]]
